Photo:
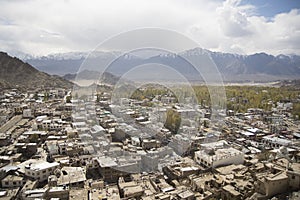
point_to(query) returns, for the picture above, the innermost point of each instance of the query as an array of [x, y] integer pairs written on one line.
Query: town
[[58, 144]]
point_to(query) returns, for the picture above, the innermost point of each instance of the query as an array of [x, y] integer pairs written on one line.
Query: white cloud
[[233, 19], [42, 27]]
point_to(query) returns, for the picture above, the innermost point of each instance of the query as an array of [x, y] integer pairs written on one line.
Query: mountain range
[[106, 77], [16, 73], [233, 67]]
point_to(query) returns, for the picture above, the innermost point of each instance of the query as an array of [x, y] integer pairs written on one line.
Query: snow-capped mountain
[[21, 55], [257, 67]]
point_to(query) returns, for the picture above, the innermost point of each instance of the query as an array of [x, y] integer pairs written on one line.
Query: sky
[[41, 27]]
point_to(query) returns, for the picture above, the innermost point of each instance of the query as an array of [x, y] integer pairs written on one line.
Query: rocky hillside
[[16, 73], [106, 77]]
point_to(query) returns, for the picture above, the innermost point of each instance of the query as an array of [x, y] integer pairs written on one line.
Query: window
[[44, 171], [293, 177], [14, 183], [6, 183]]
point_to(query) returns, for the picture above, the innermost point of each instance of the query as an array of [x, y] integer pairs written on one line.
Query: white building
[[52, 147], [97, 130], [40, 171], [275, 142], [55, 124], [217, 154], [11, 181], [80, 126], [27, 113]]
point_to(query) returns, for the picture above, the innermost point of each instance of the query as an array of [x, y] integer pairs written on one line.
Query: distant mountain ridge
[[259, 66], [16, 73], [106, 77]]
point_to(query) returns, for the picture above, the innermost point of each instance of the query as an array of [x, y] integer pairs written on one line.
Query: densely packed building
[[57, 147]]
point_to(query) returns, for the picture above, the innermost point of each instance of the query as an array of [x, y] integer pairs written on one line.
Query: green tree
[[68, 99], [34, 138], [296, 110], [36, 97], [173, 121], [46, 96], [98, 98]]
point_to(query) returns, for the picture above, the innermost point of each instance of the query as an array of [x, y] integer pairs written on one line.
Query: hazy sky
[[42, 27]]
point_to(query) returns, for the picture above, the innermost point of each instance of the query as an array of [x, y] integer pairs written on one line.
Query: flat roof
[[79, 123], [106, 162], [71, 175], [25, 163], [128, 191], [12, 178], [278, 176], [78, 194], [8, 168], [35, 133], [220, 143], [229, 169], [253, 130], [186, 194], [219, 154], [189, 168], [231, 190], [43, 165], [97, 128], [247, 133], [277, 140]]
